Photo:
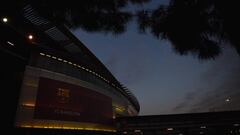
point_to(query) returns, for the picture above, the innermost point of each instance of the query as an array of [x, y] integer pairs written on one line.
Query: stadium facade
[[63, 85]]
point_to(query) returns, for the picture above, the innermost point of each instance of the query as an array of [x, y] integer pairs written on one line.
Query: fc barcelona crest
[[63, 95]]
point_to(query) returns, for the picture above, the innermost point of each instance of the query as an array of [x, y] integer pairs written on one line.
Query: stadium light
[[30, 36], [5, 20]]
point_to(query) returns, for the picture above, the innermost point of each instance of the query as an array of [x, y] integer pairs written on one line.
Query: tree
[[91, 15], [195, 26], [192, 26]]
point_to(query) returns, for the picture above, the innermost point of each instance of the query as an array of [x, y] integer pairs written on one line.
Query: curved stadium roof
[[59, 37]]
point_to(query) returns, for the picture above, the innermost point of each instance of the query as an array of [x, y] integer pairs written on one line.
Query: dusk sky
[[163, 81]]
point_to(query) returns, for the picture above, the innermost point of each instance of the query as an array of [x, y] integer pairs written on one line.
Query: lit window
[[236, 124], [203, 127], [137, 130], [169, 129]]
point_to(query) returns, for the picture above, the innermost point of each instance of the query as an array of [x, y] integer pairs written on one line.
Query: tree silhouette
[[199, 27], [195, 26], [91, 15]]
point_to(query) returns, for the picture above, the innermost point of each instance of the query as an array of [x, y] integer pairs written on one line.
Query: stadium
[[51, 84], [58, 82]]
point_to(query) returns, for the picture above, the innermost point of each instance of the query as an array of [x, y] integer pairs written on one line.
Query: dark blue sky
[[163, 81]]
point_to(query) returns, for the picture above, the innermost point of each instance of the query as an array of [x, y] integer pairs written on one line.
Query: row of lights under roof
[[88, 70], [76, 65]]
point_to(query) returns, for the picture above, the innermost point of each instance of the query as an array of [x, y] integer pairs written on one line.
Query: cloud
[[189, 97], [218, 83]]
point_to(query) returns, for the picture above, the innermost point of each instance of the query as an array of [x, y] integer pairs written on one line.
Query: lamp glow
[[30, 37], [5, 20]]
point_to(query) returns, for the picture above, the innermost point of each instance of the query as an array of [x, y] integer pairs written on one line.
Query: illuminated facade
[[64, 85]]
